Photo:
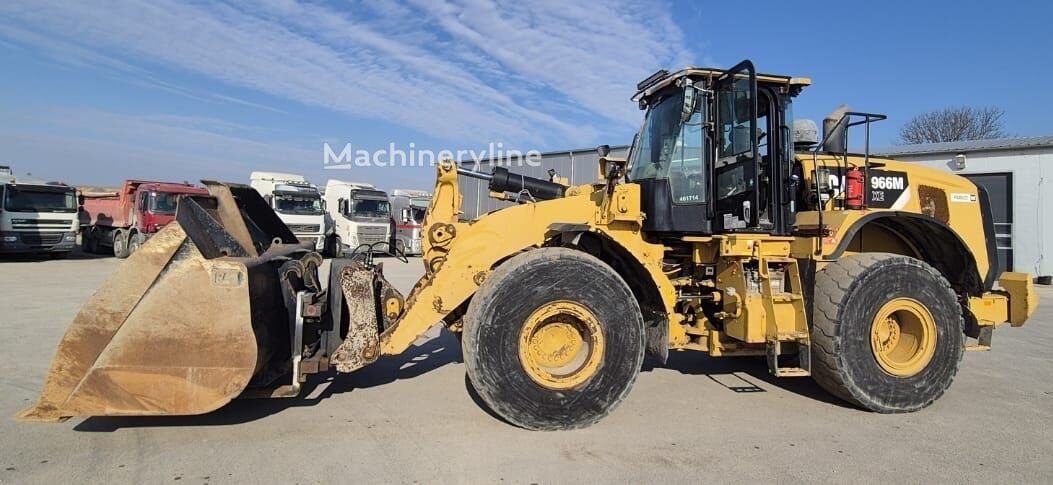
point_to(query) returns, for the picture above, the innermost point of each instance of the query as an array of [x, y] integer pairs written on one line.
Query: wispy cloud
[[80, 142], [538, 72]]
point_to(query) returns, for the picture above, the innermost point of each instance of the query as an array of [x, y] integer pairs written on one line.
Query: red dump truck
[[124, 218]]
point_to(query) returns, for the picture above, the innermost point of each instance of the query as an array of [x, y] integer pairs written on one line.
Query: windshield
[[309, 204], [669, 148], [371, 208], [418, 213], [25, 199], [164, 203]]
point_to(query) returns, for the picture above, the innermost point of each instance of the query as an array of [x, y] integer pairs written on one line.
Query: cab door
[[735, 165]]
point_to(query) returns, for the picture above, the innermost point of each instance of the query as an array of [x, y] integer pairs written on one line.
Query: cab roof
[[664, 78]]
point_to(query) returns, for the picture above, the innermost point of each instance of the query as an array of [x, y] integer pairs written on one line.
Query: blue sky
[[92, 93]]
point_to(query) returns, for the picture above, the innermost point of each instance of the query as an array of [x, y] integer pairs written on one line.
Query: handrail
[[845, 119]]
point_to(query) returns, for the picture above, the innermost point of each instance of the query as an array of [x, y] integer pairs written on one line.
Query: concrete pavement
[[413, 418]]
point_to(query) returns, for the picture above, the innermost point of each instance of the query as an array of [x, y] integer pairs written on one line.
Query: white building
[[1014, 172]]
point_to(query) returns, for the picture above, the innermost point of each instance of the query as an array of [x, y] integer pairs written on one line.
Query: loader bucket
[[186, 323]]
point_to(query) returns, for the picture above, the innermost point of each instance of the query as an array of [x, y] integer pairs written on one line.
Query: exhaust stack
[[835, 131]]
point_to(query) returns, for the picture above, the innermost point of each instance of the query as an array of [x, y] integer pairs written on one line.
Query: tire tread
[[487, 296], [833, 284]]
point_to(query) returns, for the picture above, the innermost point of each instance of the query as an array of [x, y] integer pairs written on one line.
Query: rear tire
[[886, 332], [553, 340], [120, 244], [135, 241]]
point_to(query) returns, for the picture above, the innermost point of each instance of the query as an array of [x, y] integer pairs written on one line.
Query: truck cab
[[124, 218], [408, 208], [361, 215], [36, 216], [298, 204], [155, 205]]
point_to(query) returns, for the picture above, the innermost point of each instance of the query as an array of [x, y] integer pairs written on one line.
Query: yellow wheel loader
[[728, 231]]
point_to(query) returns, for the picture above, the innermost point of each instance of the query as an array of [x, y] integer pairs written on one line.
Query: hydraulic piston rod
[[501, 180]]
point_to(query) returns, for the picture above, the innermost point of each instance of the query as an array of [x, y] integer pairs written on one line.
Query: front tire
[[337, 250], [88, 244], [553, 340], [886, 332]]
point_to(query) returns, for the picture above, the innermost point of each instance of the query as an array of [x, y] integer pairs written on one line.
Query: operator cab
[[715, 152]]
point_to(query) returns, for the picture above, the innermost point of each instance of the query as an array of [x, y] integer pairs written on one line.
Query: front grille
[[303, 228], [32, 223], [372, 230], [371, 238], [42, 239]]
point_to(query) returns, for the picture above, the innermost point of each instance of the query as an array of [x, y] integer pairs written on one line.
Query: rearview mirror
[[406, 215], [689, 102]]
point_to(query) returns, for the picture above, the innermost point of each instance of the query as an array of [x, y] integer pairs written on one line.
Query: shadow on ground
[[76, 254], [739, 375], [416, 361], [742, 375], [80, 254]]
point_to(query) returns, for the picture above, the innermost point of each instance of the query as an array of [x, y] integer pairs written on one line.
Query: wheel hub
[[561, 345], [903, 337], [556, 344]]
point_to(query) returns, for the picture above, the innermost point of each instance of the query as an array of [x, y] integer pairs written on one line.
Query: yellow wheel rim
[[561, 345], [903, 337]]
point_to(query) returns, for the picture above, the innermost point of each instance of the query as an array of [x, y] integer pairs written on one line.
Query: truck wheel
[[135, 241], [886, 332], [87, 241], [336, 249], [554, 339], [120, 244]]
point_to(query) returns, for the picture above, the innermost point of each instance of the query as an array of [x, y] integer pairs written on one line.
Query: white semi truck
[[361, 214], [408, 207], [36, 217], [298, 203]]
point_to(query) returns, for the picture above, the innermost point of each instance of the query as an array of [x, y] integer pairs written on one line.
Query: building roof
[[968, 146]]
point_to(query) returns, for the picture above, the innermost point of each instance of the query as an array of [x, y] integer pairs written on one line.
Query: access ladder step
[[803, 367]]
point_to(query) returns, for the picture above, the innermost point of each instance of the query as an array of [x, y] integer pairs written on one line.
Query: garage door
[[999, 190]]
